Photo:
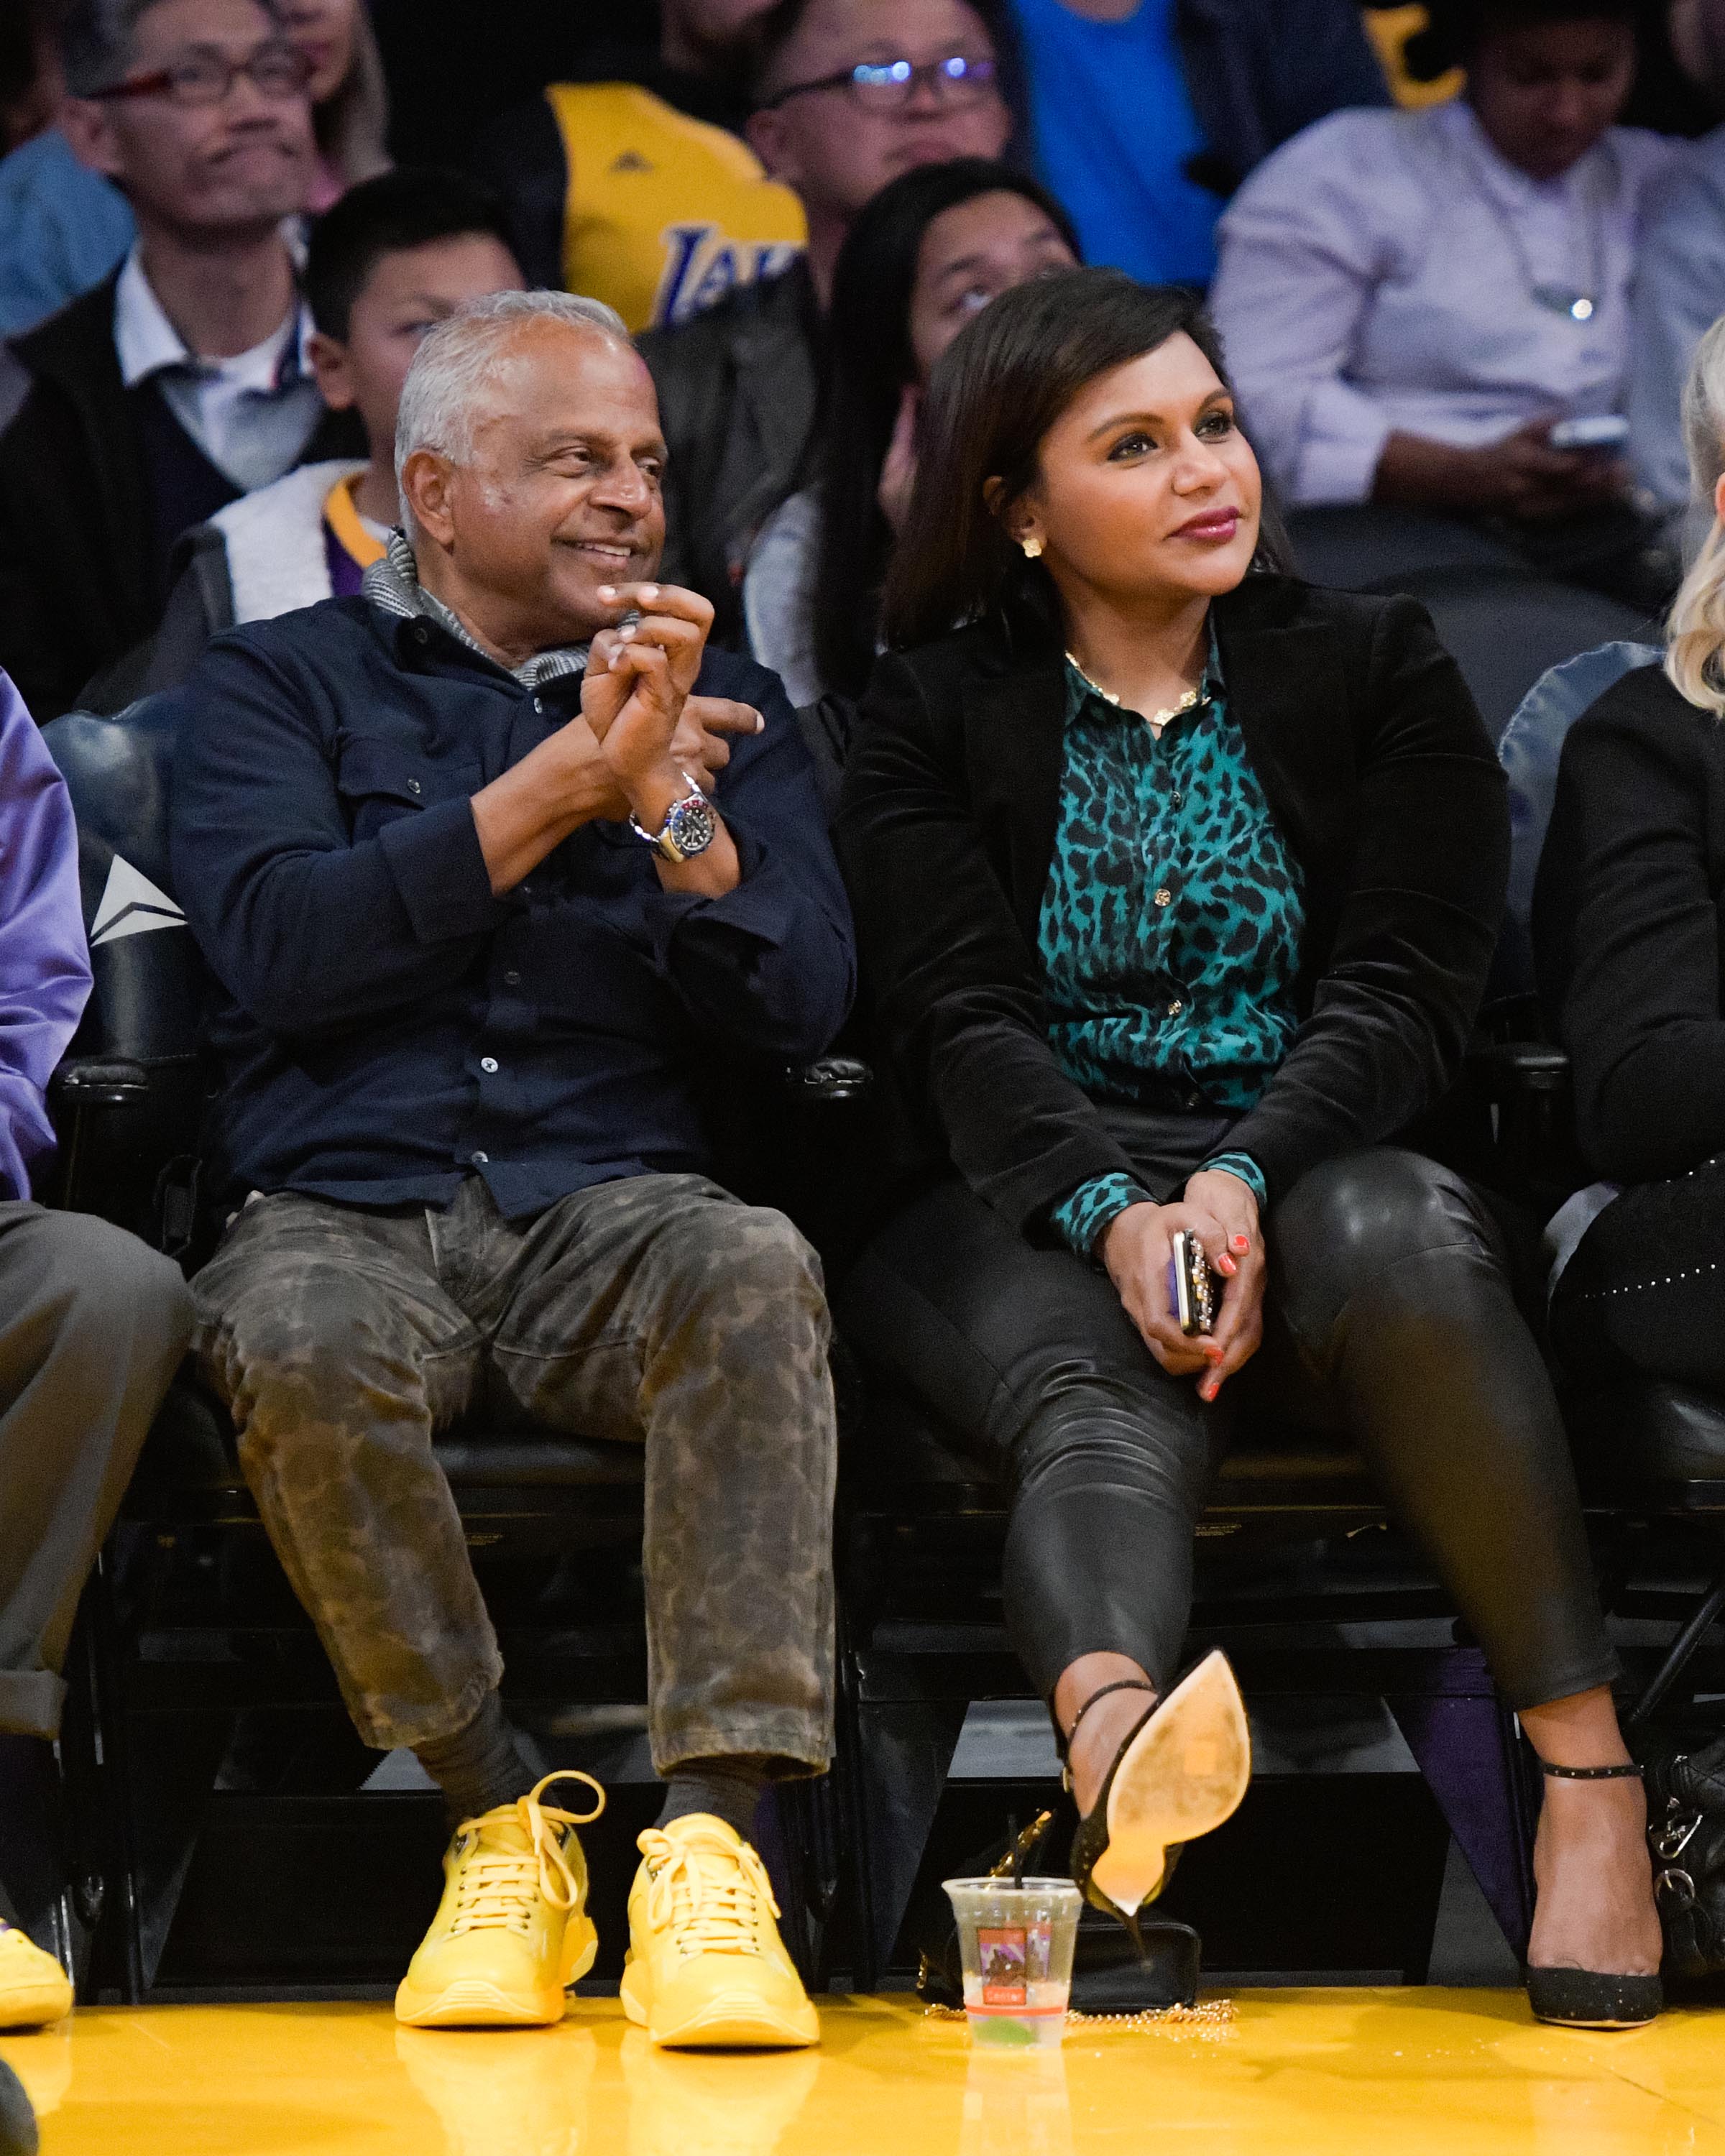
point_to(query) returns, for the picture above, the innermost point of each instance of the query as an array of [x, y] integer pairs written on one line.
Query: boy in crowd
[[394, 257]]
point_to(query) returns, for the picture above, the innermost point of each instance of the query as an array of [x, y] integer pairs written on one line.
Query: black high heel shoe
[[1586, 1998], [1181, 1770]]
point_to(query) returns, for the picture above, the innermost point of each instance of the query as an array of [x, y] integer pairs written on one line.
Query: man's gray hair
[[96, 40], [459, 356]]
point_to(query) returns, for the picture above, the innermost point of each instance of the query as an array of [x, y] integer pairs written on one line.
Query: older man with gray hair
[[477, 929]]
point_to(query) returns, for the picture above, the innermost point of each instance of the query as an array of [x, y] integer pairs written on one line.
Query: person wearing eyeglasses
[[182, 381], [847, 94]]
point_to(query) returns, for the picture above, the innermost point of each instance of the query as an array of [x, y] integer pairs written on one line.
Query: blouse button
[[1164, 897], [1175, 1008], [413, 786], [488, 1064]]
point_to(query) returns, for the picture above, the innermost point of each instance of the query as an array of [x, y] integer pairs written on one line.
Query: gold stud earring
[[1033, 548]]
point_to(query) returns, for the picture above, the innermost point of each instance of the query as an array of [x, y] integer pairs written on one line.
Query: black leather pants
[[1390, 1322]]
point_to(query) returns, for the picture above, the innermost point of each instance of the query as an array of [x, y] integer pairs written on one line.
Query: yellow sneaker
[[512, 1929], [706, 1965], [34, 1989]]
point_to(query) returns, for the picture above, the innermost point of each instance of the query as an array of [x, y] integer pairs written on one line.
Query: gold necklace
[[1158, 719]]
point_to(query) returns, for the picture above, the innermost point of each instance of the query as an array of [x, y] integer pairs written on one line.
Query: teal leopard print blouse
[[1171, 925]]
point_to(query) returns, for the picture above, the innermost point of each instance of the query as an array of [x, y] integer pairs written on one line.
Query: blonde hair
[[1695, 633]]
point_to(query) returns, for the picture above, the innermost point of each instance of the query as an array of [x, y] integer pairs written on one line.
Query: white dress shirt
[[251, 415], [1376, 277]]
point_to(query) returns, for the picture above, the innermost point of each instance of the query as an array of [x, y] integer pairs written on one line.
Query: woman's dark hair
[[869, 362], [1455, 27], [995, 393]]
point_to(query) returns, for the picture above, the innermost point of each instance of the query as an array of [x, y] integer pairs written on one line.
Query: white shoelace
[[709, 1891], [500, 1887]]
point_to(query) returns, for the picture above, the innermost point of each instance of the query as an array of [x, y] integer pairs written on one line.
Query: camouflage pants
[[657, 1309]]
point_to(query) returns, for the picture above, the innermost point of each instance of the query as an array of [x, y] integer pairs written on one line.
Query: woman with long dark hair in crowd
[[929, 252], [1178, 881], [350, 100], [1629, 926]]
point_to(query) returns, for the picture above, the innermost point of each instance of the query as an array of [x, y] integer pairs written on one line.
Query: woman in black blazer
[[1186, 973], [1628, 938]]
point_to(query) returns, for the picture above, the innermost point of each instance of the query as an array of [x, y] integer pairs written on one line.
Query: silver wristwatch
[[689, 827]]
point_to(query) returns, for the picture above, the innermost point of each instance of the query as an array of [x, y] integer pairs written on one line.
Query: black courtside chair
[[208, 1719]]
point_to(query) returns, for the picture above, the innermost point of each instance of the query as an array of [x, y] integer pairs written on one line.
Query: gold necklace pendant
[[1158, 719]]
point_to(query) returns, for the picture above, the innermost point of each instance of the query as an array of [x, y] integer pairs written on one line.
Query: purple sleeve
[[44, 963]]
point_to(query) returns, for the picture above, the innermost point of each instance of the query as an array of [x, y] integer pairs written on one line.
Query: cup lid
[[1045, 1888]]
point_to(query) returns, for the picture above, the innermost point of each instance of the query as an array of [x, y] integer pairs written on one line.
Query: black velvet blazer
[[1381, 778]]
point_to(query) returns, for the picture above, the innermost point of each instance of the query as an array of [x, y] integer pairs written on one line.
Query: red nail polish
[[1226, 1266], [1242, 1242]]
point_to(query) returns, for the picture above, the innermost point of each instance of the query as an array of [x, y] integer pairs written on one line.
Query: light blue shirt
[[1678, 294], [1113, 125], [62, 227]]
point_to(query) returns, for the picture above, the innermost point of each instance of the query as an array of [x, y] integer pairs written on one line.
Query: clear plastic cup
[[1016, 1943]]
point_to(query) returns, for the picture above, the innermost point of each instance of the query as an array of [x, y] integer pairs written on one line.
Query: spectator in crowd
[[849, 95], [477, 1151], [184, 380], [1146, 115], [93, 1324], [1627, 933], [62, 227], [350, 103], [1419, 299], [1156, 881], [397, 255], [925, 256], [632, 184], [1680, 275]]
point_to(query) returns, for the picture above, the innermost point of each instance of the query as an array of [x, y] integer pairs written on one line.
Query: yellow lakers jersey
[[664, 214]]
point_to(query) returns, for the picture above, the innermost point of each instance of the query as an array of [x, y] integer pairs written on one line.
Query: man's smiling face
[[562, 491]]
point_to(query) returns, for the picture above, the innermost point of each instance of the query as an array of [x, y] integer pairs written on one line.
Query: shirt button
[[539, 703], [1179, 801], [413, 786], [479, 1159], [488, 1063], [511, 979], [1164, 897], [1175, 1008]]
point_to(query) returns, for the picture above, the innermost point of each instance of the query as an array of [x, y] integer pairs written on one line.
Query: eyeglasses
[[889, 85], [202, 76]]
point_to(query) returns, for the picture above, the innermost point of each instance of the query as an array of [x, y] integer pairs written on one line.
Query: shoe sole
[[1182, 1775], [22, 2008], [736, 2020], [471, 2003]]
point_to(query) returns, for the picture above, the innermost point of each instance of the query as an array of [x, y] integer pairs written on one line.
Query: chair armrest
[[1510, 1069], [829, 1082], [97, 1081]]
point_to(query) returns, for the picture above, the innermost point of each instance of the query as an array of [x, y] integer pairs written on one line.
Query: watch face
[[691, 826]]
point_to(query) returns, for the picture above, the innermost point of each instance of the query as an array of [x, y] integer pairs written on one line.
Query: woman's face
[[323, 30], [970, 254], [1146, 488], [1545, 93]]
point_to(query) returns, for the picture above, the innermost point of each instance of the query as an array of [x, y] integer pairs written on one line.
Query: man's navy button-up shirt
[[384, 1025]]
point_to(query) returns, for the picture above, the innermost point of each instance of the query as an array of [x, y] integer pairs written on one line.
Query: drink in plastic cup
[[1016, 1943]]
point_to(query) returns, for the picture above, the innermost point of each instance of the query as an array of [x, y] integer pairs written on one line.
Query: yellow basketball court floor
[[1295, 2073]]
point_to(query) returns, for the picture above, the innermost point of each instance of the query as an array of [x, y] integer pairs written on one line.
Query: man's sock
[[728, 1788], [478, 1767]]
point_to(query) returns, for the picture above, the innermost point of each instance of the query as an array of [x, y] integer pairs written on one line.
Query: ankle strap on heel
[[1629, 1772], [1063, 1744]]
